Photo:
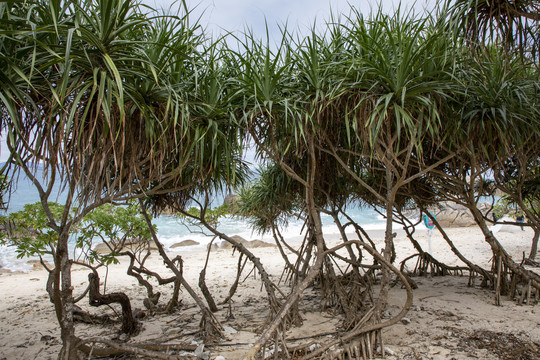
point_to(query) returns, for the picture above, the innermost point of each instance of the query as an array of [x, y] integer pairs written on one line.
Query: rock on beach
[[185, 243], [248, 244], [128, 246], [454, 215]]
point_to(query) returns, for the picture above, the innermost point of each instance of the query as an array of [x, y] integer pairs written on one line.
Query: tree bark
[[534, 246], [63, 299], [202, 283], [388, 241], [129, 324]]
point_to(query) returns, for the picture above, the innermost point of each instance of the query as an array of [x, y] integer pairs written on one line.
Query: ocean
[[171, 230]]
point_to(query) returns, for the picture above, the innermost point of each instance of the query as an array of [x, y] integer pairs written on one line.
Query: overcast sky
[[235, 15], [220, 16]]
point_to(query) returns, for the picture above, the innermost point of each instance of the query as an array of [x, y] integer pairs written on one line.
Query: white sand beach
[[448, 319]]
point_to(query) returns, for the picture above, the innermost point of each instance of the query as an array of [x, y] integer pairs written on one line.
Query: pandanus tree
[[516, 173], [271, 119], [392, 101], [497, 99], [494, 121], [498, 123], [116, 103], [365, 99], [104, 96]]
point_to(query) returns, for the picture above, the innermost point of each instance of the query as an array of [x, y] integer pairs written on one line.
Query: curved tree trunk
[[95, 298]]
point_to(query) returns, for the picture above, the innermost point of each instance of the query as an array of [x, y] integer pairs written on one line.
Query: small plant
[[31, 233]]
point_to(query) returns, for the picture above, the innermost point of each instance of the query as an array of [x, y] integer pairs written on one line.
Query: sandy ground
[[448, 319]]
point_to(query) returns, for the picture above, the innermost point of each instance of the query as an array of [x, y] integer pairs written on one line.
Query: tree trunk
[[315, 230], [204, 289], [534, 246], [129, 324], [388, 241], [63, 299]]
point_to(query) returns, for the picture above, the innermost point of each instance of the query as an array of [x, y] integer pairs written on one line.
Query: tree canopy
[[119, 102]]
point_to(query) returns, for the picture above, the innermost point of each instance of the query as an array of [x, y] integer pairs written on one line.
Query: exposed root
[[350, 294], [82, 316], [513, 284], [210, 326], [428, 265], [152, 351], [354, 344]]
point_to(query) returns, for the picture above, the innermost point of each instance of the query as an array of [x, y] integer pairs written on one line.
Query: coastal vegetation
[[127, 106]]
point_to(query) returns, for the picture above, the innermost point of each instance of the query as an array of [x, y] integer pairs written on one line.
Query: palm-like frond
[[126, 102], [511, 24], [497, 101]]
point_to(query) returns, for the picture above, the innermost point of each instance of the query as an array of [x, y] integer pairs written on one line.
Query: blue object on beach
[[427, 221]]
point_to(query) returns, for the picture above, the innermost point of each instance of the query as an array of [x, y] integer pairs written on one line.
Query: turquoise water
[[171, 230]]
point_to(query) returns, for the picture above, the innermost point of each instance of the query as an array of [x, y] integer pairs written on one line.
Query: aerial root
[[428, 265], [354, 344], [517, 285]]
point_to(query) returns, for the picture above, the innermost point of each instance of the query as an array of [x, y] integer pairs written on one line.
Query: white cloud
[[234, 15]]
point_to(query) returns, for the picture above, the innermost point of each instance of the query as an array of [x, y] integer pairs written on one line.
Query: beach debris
[[229, 330], [501, 345], [405, 321], [387, 351], [139, 313], [47, 338], [201, 354]]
